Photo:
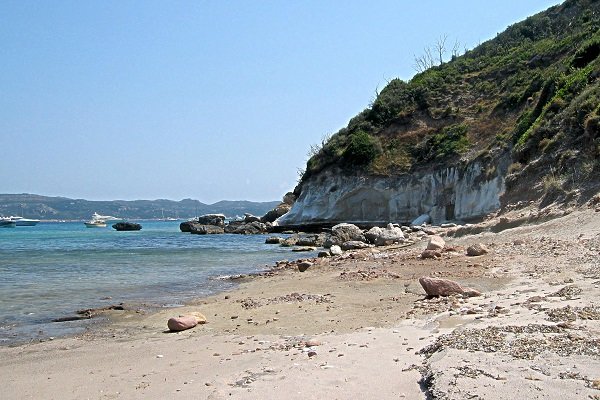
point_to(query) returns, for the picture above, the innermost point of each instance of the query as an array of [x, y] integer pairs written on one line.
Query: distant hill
[[62, 208]]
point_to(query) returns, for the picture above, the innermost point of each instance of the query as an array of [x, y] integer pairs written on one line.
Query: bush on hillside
[[362, 149]]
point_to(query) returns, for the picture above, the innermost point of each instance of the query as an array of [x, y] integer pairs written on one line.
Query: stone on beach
[[182, 323], [477, 250], [384, 236], [200, 318], [436, 243], [341, 233], [335, 250], [430, 254], [445, 287], [354, 245], [303, 266]]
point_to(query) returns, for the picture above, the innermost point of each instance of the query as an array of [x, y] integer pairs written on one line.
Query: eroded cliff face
[[452, 193]]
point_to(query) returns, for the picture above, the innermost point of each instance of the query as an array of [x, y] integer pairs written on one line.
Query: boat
[[20, 221], [7, 223], [95, 223], [107, 218]]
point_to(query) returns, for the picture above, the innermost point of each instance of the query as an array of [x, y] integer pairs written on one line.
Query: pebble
[[159, 356]]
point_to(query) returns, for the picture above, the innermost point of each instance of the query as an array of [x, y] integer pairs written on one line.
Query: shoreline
[[358, 325]]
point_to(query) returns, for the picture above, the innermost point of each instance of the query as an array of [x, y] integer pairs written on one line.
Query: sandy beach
[[360, 326]]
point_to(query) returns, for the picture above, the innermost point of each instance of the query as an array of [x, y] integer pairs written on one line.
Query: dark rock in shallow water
[[212, 219], [127, 226], [200, 229], [242, 228]]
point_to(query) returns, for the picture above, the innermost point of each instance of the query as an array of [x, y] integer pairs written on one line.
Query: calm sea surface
[[53, 269]]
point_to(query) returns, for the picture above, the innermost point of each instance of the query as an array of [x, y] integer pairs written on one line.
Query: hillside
[[62, 208], [515, 119]]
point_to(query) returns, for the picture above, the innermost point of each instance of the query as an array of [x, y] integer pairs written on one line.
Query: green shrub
[[362, 149], [451, 140]]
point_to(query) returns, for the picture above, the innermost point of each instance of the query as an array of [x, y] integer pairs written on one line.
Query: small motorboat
[[25, 221], [95, 223]]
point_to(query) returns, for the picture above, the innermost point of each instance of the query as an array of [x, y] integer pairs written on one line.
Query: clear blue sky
[[202, 99]]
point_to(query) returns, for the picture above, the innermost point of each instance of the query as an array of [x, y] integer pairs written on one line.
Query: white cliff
[[452, 193]]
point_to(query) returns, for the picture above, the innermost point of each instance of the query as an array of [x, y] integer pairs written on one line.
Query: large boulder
[[436, 243], [212, 219], [277, 212], [336, 250], [127, 226], [186, 226], [249, 218], [311, 240], [342, 233], [445, 287], [199, 229], [384, 236], [421, 219], [182, 323], [241, 228]]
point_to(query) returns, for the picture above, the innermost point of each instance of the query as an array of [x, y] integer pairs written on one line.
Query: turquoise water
[[53, 269]]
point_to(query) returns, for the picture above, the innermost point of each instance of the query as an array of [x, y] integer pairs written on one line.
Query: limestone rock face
[[384, 236], [332, 196]]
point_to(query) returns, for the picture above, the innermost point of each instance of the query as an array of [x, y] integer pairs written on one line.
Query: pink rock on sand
[[445, 287], [182, 323], [436, 243]]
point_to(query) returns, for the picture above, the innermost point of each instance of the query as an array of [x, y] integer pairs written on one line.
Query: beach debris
[[445, 287], [478, 249], [436, 243], [182, 323]]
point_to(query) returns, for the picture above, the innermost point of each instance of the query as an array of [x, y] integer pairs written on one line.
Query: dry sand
[[535, 333]]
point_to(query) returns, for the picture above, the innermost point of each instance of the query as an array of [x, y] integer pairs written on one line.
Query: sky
[[210, 100]]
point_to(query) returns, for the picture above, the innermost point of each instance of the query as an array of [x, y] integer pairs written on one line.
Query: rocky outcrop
[[242, 228], [127, 226], [461, 192], [344, 233], [212, 219], [199, 229], [385, 236]]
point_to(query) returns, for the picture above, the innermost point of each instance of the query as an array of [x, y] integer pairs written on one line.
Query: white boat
[[20, 221], [95, 223], [109, 218], [7, 223]]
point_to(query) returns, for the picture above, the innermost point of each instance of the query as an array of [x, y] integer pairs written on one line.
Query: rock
[[477, 250], [182, 323], [289, 198], [335, 250], [200, 318], [249, 218], [277, 212], [312, 343], [304, 265], [444, 287], [127, 226], [186, 226], [311, 240], [304, 248], [289, 242], [436, 243], [199, 229], [243, 228], [354, 245], [341, 233], [383, 237], [312, 354], [273, 240], [324, 254], [430, 254], [421, 219], [212, 219]]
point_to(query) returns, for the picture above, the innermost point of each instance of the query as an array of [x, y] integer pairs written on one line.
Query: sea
[[51, 270]]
